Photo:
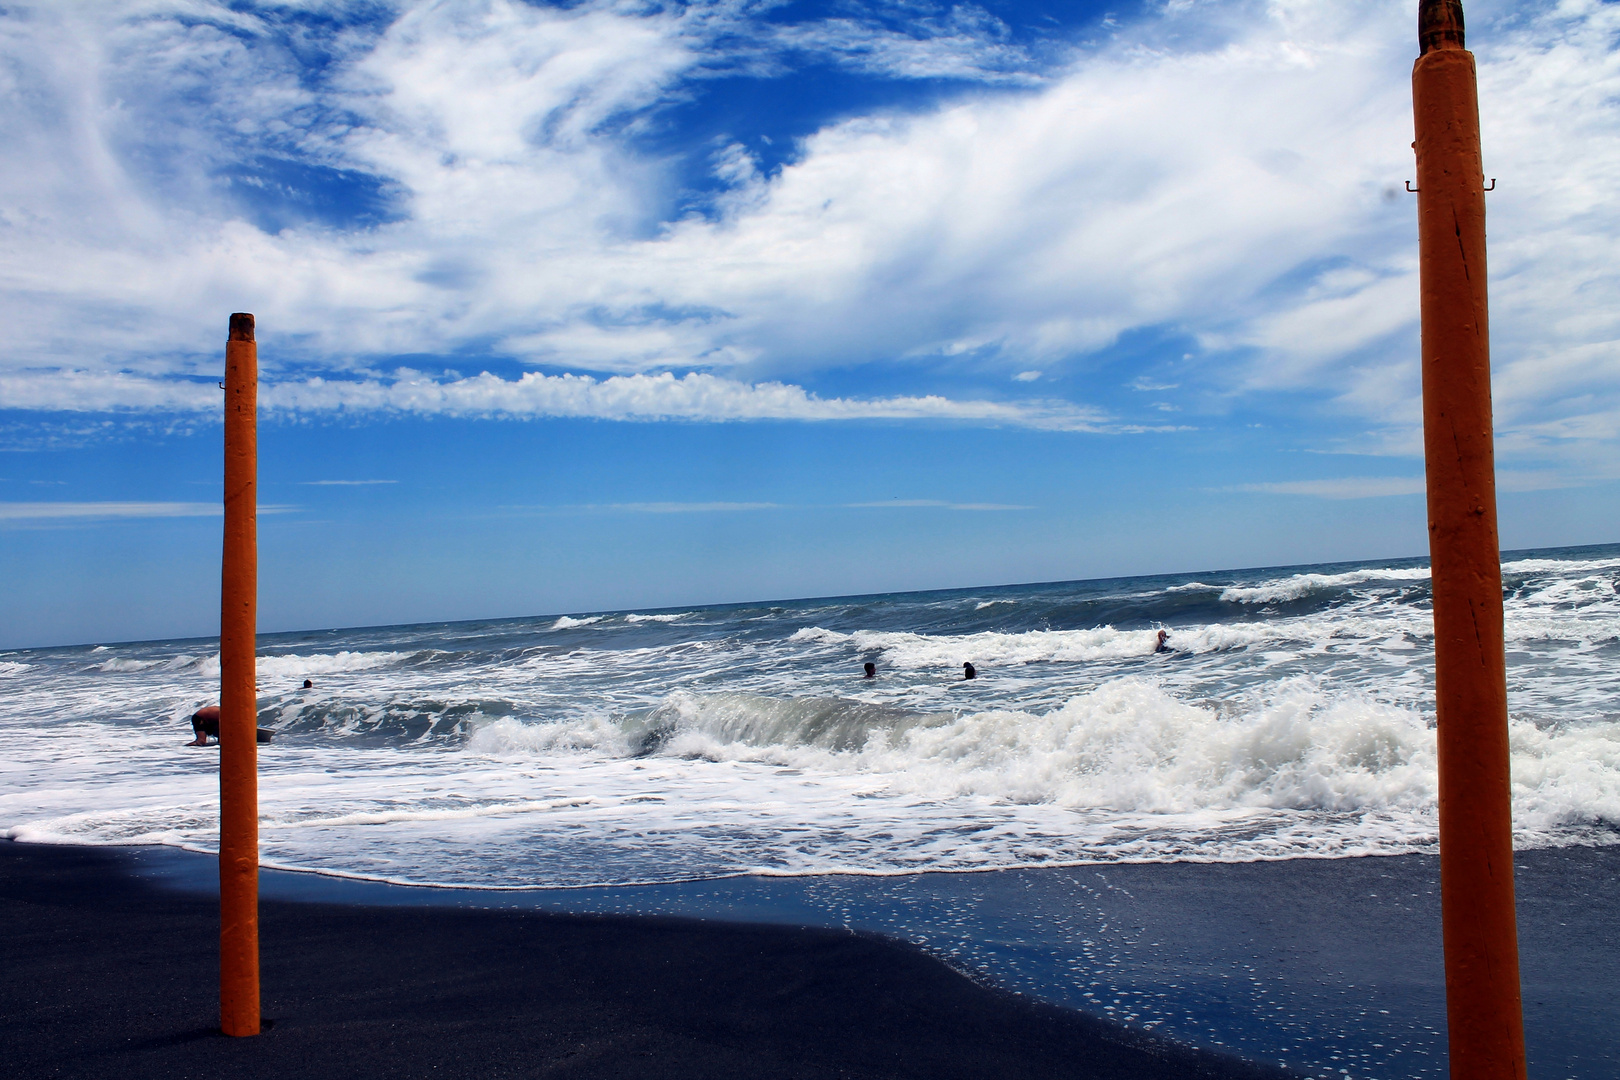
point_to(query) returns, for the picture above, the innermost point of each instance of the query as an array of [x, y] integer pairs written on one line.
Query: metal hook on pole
[[1410, 188], [1493, 184]]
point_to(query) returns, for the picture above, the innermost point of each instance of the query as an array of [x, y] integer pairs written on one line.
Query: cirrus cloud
[[486, 176], [694, 396]]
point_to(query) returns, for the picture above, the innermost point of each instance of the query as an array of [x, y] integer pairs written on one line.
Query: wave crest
[[1299, 586], [1127, 746]]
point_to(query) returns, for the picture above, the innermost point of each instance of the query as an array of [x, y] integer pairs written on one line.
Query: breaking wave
[[1300, 585], [568, 622], [1292, 718], [290, 665], [1127, 746]]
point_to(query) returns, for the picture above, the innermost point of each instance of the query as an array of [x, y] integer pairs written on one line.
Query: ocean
[[1292, 718]]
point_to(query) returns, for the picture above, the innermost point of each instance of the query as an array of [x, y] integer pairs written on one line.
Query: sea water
[[1292, 717]]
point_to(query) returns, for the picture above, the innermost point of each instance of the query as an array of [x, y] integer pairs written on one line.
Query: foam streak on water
[[1295, 718]]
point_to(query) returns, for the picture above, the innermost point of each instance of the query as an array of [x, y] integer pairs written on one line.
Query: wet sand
[[1330, 967], [108, 975]]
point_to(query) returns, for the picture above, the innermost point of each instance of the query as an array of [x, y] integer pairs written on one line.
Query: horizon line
[[785, 600]]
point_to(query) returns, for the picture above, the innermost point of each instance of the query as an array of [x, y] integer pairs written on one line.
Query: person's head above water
[[969, 671], [308, 685], [871, 669]]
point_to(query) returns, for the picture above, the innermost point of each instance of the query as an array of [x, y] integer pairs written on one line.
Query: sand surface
[[1331, 967], [106, 975]]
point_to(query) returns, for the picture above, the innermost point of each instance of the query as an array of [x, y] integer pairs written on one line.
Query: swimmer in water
[[308, 685], [871, 670], [204, 722], [1163, 644], [969, 671]]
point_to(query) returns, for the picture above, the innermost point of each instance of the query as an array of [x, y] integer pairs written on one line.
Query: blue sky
[[605, 304]]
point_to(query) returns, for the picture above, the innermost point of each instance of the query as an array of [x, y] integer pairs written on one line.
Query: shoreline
[[108, 974], [1326, 965]]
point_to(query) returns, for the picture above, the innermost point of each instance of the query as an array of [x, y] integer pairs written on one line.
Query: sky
[[614, 304]]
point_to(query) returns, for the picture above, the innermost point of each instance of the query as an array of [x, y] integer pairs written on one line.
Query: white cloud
[[1222, 169], [1344, 487], [1372, 487], [694, 396], [961, 42], [69, 390]]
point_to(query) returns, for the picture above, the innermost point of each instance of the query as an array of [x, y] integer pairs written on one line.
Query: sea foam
[[1293, 718]]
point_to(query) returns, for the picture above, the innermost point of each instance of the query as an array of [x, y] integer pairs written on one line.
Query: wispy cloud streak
[[686, 507], [664, 396], [1230, 171], [345, 483], [60, 511], [902, 504], [1344, 487]]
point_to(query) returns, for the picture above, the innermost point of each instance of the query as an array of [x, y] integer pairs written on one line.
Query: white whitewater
[[1295, 718]]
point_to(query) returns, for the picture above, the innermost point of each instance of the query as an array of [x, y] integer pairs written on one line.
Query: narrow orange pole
[[1476, 824], [238, 696]]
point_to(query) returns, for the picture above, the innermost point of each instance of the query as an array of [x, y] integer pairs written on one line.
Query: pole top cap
[[241, 327], [1440, 25]]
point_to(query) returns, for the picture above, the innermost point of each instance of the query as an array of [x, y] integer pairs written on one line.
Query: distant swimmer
[[1163, 644], [204, 722], [969, 671], [308, 685], [871, 670]]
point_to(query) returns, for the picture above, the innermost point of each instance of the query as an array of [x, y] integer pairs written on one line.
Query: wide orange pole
[[238, 696], [1476, 824]]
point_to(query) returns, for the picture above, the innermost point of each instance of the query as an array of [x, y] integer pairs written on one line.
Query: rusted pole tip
[[1440, 25], [241, 327]]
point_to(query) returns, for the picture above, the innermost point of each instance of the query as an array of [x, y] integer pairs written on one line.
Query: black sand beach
[[106, 975], [1330, 967]]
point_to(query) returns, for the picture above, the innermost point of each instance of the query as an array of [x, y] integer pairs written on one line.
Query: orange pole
[[1476, 825], [238, 696]]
